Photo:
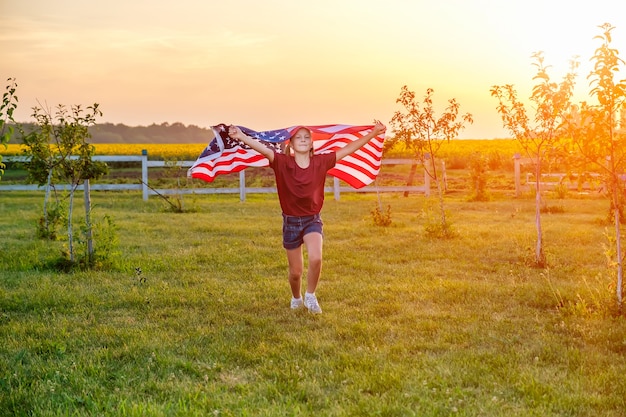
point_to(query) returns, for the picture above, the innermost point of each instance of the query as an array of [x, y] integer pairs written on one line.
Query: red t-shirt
[[301, 190]]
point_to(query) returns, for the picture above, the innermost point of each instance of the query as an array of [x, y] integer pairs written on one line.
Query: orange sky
[[271, 64]]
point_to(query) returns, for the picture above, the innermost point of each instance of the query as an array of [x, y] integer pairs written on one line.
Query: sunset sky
[[277, 63]]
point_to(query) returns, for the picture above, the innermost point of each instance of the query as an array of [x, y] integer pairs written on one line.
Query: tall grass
[[411, 326]]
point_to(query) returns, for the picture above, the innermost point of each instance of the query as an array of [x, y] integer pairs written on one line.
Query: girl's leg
[[296, 265], [313, 242]]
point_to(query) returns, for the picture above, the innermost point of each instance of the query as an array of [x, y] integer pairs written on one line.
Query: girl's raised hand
[[234, 132], [379, 128]]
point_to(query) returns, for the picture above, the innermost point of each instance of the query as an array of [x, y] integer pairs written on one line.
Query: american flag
[[224, 155]]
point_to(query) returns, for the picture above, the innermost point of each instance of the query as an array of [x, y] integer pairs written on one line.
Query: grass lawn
[[412, 326]]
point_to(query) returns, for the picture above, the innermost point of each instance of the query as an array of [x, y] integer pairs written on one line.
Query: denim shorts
[[295, 227]]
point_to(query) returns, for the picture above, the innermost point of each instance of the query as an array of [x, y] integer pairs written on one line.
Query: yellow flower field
[[168, 151], [178, 152], [456, 149]]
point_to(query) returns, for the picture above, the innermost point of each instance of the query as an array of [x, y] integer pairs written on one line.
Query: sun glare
[[189, 65]]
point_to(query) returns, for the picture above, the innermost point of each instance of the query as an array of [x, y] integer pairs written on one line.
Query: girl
[[300, 182]]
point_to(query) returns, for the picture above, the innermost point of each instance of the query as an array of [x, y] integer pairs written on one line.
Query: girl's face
[[301, 141]]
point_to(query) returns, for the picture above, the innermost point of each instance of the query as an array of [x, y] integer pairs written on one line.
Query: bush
[[381, 218], [478, 165]]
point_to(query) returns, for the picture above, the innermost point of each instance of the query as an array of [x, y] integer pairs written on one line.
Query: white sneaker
[[296, 303], [310, 302]]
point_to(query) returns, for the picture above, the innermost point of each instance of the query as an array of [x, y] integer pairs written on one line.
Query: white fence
[[146, 190], [548, 181]]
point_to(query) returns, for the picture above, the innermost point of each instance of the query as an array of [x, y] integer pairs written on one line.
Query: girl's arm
[[357, 144], [236, 133]]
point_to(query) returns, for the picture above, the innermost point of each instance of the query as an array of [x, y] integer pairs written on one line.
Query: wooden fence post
[[427, 160], [87, 193], [518, 186], [242, 185], [144, 173]]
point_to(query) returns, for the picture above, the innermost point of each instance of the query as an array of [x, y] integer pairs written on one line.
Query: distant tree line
[[154, 133]]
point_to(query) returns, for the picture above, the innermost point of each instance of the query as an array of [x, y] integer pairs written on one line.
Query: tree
[[41, 167], [7, 107], [543, 137], [423, 134], [59, 151], [599, 134]]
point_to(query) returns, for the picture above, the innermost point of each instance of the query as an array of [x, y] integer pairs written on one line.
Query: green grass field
[[412, 326]]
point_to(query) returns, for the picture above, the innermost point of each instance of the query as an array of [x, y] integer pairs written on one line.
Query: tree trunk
[[441, 207], [70, 232], [618, 249], [409, 181], [88, 222], [440, 192], [539, 255], [45, 203], [444, 176]]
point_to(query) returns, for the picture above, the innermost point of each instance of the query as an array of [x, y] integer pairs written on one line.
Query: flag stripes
[[224, 155]]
